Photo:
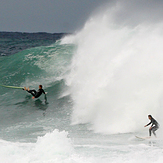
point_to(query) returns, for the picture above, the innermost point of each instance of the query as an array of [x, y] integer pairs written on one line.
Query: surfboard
[[142, 138], [8, 86]]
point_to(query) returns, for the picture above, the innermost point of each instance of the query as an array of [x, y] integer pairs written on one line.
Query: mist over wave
[[116, 76]]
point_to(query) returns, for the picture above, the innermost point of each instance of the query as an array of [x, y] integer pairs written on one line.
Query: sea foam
[[116, 76], [53, 147]]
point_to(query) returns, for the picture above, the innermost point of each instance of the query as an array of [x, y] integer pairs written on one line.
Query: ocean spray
[[116, 76]]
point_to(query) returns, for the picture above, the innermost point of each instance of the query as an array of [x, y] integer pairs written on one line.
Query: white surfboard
[[142, 138]]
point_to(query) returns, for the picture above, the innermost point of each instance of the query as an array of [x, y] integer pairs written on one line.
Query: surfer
[[35, 93], [153, 127]]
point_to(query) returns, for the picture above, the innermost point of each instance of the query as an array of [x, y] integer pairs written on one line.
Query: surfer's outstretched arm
[[148, 124]]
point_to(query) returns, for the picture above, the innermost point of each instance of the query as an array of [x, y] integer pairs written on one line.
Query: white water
[[116, 75], [56, 147], [53, 147]]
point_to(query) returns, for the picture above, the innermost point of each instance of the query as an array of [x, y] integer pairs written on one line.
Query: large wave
[[46, 65], [41, 65], [116, 76]]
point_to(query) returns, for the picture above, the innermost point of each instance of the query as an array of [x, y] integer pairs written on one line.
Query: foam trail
[[116, 77], [53, 147]]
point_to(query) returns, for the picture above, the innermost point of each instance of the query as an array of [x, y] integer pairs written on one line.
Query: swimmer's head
[[40, 86]]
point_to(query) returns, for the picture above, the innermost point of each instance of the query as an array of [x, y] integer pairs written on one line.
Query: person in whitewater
[[35, 93], [154, 126]]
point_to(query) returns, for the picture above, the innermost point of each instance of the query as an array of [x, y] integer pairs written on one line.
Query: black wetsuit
[[154, 126], [35, 93]]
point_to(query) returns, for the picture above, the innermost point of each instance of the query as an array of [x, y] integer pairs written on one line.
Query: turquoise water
[[40, 65]]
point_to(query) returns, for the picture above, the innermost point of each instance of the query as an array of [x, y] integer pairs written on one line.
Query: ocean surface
[[102, 82]]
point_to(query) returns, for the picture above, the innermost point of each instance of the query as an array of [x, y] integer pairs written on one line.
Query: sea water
[[102, 82]]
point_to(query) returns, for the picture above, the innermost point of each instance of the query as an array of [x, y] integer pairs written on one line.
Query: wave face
[[46, 65], [116, 76]]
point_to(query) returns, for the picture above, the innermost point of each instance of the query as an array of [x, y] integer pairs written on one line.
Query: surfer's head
[[149, 116], [40, 86]]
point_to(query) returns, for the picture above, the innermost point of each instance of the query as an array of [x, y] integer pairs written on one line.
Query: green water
[[19, 114]]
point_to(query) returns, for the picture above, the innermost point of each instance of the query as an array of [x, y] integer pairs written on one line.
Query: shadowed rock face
[[14, 42]]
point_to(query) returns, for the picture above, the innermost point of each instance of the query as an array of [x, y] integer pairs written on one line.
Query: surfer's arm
[[148, 124], [43, 91]]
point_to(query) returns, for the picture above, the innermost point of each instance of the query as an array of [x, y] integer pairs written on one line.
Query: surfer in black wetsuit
[[35, 93], [154, 125]]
